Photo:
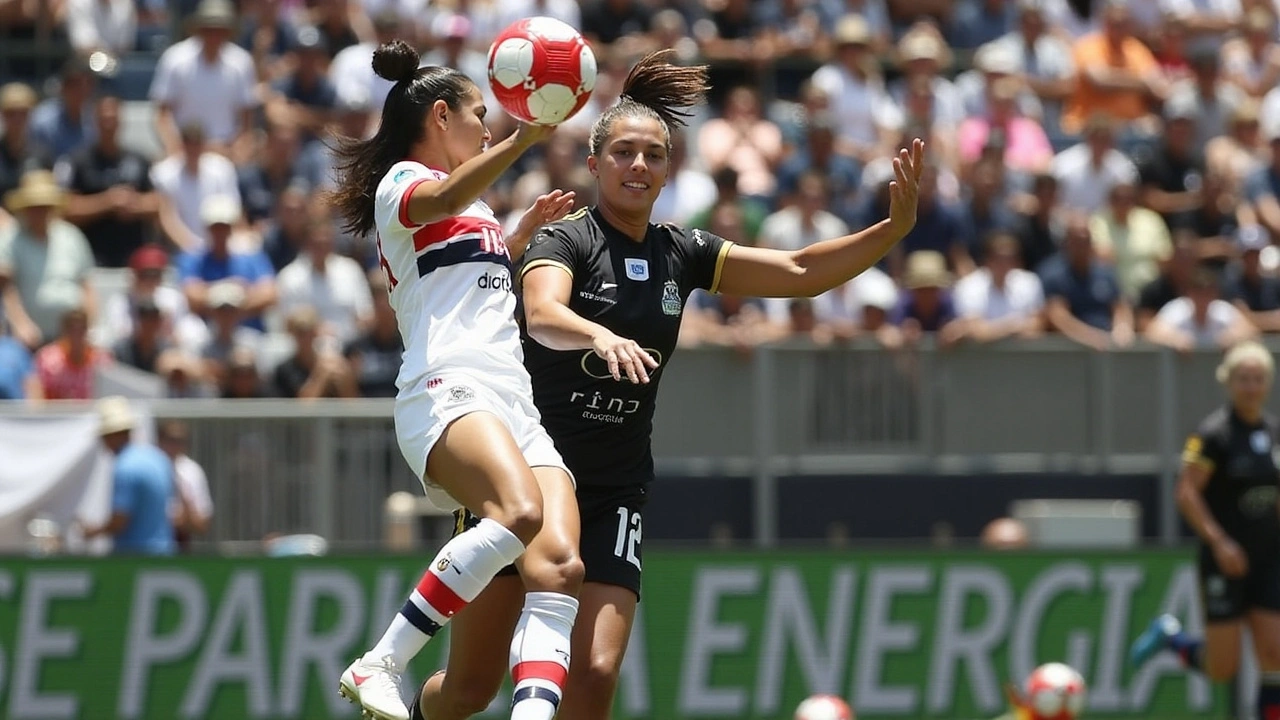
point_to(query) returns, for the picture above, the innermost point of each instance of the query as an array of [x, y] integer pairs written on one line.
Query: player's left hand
[[904, 190], [546, 209]]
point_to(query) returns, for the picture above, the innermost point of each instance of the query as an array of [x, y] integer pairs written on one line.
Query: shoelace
[[389, 664]]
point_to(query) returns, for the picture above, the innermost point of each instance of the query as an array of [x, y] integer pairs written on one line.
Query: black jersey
[[1244, 483], [637, 290]]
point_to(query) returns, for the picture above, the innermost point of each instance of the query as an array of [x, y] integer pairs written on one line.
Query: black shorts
[[612, 534], [1227, 598]]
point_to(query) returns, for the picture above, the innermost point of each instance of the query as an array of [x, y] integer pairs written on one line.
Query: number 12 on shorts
[[629, 535]]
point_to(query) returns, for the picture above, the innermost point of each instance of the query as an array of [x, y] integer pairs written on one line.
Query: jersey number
[[491, 242], [629, 536], [386, 266]]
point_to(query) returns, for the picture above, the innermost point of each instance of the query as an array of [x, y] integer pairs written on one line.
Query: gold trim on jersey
[[1192, 453], [459, 522], [724, 253], [575, 214], [544, 262]]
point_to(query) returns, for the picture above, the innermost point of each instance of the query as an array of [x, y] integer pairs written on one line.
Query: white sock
[[463, 568], [540, 654]]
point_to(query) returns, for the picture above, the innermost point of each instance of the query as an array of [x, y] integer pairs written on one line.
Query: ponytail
[[656, 89], [360, 164]]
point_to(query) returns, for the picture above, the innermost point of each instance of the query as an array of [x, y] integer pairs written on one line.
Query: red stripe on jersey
[[439, 596], [452, 227], [404, 202], [552, 672]]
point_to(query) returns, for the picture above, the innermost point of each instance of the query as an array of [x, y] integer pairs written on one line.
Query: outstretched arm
[[762, 272], [546, 290]]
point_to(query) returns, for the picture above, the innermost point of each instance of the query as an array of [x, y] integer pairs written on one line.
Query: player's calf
[[540, 654]]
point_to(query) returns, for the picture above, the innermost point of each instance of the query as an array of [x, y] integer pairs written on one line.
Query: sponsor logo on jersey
[[1260, 441], [401, 176], [637, 269], [460, 393], [671, 298], [1215, 585], [497, 281], [1259, 501], [698, 238], [603, 408], [434, 383], [596, 297]]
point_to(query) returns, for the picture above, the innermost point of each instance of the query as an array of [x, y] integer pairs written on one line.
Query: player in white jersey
[[464, 414]]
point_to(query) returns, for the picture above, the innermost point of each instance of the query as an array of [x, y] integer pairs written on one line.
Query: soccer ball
[[1055, 692], [541, 70], [824, 707]]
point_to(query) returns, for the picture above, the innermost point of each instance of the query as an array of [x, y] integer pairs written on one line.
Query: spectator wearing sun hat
[[142, 486], [44, 260], [207, 81], [925, 305], [251, 269]]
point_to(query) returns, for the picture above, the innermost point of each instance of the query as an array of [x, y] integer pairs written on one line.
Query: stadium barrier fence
[[328, 466]]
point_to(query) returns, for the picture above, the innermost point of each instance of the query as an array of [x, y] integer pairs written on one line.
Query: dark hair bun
[[396, 61]]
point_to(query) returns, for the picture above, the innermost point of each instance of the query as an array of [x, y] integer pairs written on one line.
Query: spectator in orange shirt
[[65, 367], [1118, 75]]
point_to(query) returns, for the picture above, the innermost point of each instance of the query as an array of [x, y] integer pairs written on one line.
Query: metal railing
[[328, 466]]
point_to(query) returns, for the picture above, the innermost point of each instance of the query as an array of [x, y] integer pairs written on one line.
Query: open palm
[[904, 189]]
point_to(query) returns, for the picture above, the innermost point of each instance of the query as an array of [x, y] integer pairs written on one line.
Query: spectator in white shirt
[[208, 81], [868, 117], [192, 507], [1200, 319], [1000, 299], [335, 285], [184, 182], [688, 191], [859, 306], [1088, 170], [804, 223], [110, 26], [351, 70]]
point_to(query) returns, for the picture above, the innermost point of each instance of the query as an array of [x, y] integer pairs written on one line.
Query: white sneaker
[[374, 683]]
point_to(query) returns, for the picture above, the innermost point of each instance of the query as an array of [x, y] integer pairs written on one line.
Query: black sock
[[1269, 696], [1189, 649]]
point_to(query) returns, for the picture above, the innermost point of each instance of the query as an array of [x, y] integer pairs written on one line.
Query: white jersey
[[450, 285]]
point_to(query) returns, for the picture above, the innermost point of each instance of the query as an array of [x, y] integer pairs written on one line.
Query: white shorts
[[424, 411]]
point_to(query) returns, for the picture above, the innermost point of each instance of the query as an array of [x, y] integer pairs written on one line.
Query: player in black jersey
[[603, 291], [1229, 493]]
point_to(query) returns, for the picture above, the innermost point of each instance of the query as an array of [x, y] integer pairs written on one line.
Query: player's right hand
[[1230, 558], [624, 357], [528, 134]]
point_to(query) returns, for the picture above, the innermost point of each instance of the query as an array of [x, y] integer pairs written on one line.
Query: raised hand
[[904, 189], [546, 209]]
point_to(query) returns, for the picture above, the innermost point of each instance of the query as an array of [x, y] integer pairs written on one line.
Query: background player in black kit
[[1229, 493], [603, 291]]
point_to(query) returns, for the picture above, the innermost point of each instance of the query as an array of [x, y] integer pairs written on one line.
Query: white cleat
[[374, 684]]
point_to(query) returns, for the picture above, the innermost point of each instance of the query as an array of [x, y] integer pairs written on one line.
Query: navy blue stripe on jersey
[[467, 250]]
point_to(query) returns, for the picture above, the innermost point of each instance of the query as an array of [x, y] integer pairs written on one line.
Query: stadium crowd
[[1102, 169]]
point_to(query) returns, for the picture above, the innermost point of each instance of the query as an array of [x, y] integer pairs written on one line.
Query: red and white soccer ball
[[1055, 692], [824, 707], [541, 70]]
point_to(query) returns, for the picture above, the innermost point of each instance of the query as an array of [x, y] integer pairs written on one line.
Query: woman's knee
[[556, 568], [523, 517]]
